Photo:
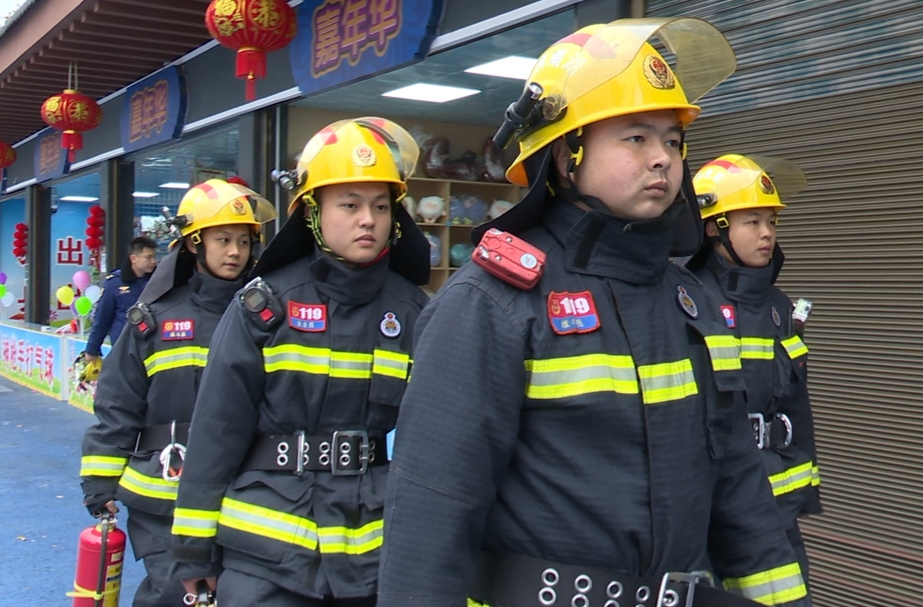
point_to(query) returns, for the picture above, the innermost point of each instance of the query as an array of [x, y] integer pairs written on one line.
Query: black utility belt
[[771, 431], [343, 453], [156, 438], [507, 579]]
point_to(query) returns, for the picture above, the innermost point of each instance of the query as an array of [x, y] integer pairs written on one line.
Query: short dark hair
[[140, 243]]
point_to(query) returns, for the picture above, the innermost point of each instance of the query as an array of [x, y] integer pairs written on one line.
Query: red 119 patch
[[572, 312], [311, 318]]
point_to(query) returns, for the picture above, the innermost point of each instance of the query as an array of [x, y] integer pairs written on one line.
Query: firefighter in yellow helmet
[[741, 197], [287, 460], [147, 389], [591, 452]]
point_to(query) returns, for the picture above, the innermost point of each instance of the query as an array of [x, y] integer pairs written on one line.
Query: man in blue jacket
[[121, 291]]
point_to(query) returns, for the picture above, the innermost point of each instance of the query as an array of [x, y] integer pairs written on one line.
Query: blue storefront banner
[[340, 41], [50, 158], [153, 110]]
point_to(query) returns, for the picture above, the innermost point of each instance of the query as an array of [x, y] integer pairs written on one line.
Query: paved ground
[[41, 514]]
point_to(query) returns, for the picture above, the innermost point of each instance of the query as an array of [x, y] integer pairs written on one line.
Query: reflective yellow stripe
[[343, 540], [344, 365], [815, 476], [391, 364], [289, 357], [148, 486], [174, 358], [102, 465], [195, 523], [792, 479], [724, 351], [794, 346], [304, 532], [667, 381], [773, 587], [757, 348], [286, 528], [576, 375], [350, 365]]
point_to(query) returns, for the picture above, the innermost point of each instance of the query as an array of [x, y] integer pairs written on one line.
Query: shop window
[[163, 177], [12, 302], [69, 253]]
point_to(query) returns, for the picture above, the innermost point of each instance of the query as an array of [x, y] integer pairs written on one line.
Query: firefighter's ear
[[711, 229], [190, 245]]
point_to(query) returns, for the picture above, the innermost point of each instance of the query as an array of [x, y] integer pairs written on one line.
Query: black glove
[[96, 504]]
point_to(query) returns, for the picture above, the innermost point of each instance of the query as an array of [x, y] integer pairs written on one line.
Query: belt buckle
[[342, 456], [667, 597], [760, 430]]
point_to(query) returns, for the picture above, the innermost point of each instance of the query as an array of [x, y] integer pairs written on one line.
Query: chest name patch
[[572, 312], [311, 318], [730, 316], [173, 330]]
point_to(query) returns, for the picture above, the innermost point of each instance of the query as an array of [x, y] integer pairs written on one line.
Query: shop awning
[[113, 42]]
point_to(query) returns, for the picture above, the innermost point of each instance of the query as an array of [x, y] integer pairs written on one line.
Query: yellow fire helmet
[[602, 71], [733, 182], [216, 203], [88, 370], [356, 150]]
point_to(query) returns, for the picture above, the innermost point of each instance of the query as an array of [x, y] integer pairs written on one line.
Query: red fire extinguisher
[[100, 553]]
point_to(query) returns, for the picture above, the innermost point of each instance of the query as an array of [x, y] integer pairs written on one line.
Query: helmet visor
[[404, 149], [703, 58]]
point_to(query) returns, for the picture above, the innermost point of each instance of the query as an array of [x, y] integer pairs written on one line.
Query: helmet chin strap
[[723, 238]]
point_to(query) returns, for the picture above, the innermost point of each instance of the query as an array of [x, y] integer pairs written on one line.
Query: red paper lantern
[[20, 240], [95, 222], [73, 114], [252, 28], [7, 155]]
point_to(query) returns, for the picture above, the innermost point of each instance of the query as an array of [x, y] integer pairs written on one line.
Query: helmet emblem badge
[[658, 74], [364, 156], [237, 207], [766, 184]]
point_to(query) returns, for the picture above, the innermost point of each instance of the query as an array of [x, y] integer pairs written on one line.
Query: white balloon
[[93, 293], [8, 299]]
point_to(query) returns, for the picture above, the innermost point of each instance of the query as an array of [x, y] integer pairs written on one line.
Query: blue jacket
[[119, 294]]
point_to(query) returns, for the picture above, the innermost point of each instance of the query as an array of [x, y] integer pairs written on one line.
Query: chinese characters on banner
[[148, 111], [343, 29], [153, 110], [340, 41], [31, 359]]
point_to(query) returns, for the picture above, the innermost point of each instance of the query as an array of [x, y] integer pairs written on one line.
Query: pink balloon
[[81, 279]]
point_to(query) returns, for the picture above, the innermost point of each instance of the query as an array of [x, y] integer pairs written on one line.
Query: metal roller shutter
[[854, 245]]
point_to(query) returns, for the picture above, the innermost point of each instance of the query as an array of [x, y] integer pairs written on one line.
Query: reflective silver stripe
[[195, 523], [575, 375], [102, 465], [187, 356], [774, 587], [391, 364], [667, 381], [757, 348], [148, 486], [792, 479], [268, 523], [795, 347]]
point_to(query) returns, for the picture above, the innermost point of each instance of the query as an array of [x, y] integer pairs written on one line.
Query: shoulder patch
[[175, 330], [311, 318], [572, 312]]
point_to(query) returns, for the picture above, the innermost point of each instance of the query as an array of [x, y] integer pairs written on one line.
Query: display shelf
[[452, 224]]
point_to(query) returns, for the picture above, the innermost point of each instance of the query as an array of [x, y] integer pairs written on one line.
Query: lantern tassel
[[71, 141], [251, 65]]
